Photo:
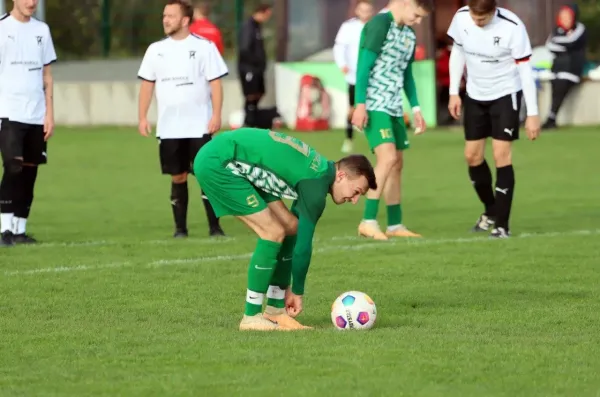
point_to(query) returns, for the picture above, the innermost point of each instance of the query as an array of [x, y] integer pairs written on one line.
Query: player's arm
[[340, 49], [214, 70], [147, 75], [245, 44], [49, 56], [576, 39], [410, 86], [309, 208], [520, 47], [373, 36], [457, 62]]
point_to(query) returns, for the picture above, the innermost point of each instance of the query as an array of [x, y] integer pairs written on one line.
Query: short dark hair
[[482, 7], [186, 7], [426, 5], [263, 7], [202, 6], [359, 165]]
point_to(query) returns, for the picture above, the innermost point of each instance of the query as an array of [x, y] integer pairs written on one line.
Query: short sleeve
[[49, 54], [454, 30], [520, 46], [214, 67], [375, 32], [147, 70]]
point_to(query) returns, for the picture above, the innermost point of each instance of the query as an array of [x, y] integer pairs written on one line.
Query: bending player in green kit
[[246, 173]]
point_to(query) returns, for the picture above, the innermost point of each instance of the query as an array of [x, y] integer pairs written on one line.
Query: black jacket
[[569, 47], [251, 49]]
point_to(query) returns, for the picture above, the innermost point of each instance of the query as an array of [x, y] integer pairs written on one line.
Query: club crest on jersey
[[39, 40], [192, 54], [496, 40]]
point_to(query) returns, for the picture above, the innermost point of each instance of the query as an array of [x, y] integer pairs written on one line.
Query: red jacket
[[206, 29]]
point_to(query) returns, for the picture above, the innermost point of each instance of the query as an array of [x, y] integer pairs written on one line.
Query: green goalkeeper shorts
[[228, 193], [383, 128]]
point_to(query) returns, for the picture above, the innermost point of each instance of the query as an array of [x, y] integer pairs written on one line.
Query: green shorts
[[383, 128], [228, 193]]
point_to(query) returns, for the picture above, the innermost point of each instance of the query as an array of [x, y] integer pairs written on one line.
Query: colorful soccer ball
[[353, 310]]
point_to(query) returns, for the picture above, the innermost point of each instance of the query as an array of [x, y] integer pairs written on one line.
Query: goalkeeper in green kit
[[387, 50], [246, 173]]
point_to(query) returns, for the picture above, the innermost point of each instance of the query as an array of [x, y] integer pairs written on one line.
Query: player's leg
[[560, 90], [34, 154], [253, 89], [478, 127], [379, 133], [347, 147], [392, 191], [505, 122], [173, 160], [214, 227], [11, 148]]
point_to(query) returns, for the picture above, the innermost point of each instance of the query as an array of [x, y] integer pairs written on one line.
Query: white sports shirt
[[182, 71], [346, 47], [25, 48], [491, 53]]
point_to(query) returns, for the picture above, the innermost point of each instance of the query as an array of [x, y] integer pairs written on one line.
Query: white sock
[[393, 228], [6, 222], [254, 298], [371, 222], [19, 225]]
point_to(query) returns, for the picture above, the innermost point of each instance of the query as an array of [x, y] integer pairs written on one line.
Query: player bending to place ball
[[387, 50], [246, 173]]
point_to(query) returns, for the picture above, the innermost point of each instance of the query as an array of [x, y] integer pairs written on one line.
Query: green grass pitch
[[111, 305]]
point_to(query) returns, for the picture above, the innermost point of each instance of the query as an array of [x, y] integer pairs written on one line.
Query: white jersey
[[182, 70], [491, 52], [346, 47], [25, 49]]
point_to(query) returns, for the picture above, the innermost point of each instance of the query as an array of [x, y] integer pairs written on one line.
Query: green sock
[[371, 209], [262, 266], [394, 215], [282, 276]]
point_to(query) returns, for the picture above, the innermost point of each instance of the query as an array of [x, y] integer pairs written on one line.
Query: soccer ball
[[236, 119], [353, 310]]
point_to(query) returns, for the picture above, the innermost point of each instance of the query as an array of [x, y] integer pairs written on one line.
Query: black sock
[[213, 221], [8, 192], [481, 177], [505, 186], [179, 203], [251, 110], [23, 205], [349, 129]]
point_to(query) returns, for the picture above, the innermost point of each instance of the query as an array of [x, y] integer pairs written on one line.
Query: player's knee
[[502, 157], [473, 157], [179, 178], [13, 166], [274, 232], [291, 227]]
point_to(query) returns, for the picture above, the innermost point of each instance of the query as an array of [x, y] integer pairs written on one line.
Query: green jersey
[[395, 47], [285, 167]]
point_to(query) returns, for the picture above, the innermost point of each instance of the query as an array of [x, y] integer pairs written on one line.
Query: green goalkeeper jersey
[[285, 167], [394, 47]]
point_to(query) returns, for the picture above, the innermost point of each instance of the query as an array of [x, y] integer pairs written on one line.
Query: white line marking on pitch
[[324, 249]]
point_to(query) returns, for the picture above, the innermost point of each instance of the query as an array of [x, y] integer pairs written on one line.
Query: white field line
[[327, 248]]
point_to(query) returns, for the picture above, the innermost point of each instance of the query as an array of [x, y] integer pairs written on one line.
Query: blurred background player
[[498, 75], [568, 43], [387, 49], [246, 173], [26, 114], [252, 62], [203, 27], [345, 54], [189, 99]]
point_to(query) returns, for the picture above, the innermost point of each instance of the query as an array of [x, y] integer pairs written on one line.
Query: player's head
[[201, 9], [482, 11], [262, 12], [411, 12], [25, 7], [354, 176], [177, 16], [566, 18], [363, 10]]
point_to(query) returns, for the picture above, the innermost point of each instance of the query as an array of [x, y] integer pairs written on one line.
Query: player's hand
[[214, 124], [359, 116], [420, 125], [48, 127], [144, 128], [293, 303], [532, 126], [345, 69], [455, 106]]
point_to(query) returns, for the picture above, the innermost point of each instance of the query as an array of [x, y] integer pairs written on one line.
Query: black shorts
[[252, 83], [351, 91], [498, 119], [23, 140], [177, 155]]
